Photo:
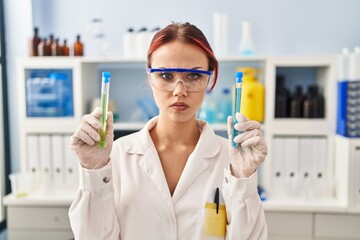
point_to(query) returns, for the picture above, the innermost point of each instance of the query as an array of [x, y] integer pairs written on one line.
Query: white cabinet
[[37, 218]]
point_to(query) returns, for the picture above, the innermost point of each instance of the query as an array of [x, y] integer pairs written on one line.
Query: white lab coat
[[129, 198]]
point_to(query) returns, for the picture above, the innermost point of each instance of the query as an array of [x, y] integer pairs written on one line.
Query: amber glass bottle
[[65, 49], [34, 42], [56, 49], [44, 48], [78, 47]]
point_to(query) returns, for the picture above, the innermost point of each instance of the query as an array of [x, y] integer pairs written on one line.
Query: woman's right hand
[[84, 141]]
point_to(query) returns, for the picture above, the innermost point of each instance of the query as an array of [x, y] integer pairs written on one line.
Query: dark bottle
[[296, 104], [48, 45], [34, 42], [78, 47], [43, 48], [281, 98], [311, 103], [65, 49], [321, 102], [56, 49]]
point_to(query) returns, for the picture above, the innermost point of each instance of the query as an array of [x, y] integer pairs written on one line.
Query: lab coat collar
[[207, 145]]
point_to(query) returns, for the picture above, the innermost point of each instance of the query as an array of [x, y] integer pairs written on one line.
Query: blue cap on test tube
[[106, 77], [238, 77]]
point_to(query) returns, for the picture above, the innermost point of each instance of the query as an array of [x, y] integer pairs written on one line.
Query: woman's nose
[[179, 88]]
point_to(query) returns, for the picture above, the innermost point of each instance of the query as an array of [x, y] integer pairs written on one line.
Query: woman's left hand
[[251, 150]]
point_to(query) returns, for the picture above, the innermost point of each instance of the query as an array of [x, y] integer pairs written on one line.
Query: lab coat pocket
[[214, 221]]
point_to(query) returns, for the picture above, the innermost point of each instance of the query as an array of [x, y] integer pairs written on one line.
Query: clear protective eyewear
[[166, 79]]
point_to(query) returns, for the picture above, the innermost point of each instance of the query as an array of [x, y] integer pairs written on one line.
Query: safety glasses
[[166, 79]]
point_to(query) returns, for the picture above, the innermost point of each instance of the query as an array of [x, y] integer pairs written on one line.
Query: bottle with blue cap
[[105, 89], [236, 104], [224, 106]]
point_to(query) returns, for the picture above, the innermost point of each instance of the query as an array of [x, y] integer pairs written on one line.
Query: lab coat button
[[106, 179]]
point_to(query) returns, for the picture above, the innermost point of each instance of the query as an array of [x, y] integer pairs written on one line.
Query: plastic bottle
[[224, 108], [281, 98], [34, 42], [343, 65], [207, 111], [142, 42], [129, 42], [246, 47], [296, 104], [220, 21], [253, 93], [65, 49], [78, 47]]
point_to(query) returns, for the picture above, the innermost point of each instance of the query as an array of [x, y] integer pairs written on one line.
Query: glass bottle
[[281, 98], [311, 104], [296, 104], [78, 47], [34, 42], [55, 48], [44, 48], [65, 49]]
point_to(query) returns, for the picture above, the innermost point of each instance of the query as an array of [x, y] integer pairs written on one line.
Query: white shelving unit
[[129, 82]]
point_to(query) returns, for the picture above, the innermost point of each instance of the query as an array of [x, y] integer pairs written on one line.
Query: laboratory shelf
[[298, 205], [301, 126]]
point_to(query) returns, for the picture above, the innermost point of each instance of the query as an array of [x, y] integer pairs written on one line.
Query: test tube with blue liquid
[[236, 104], [105, 89]]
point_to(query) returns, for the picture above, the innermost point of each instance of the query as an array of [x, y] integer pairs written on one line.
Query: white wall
[[279, 26], [18, 28]]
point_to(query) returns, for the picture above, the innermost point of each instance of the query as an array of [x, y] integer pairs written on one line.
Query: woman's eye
[[194, 76], [166, 76]]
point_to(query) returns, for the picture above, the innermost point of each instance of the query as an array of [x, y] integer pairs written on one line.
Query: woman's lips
[[179, 106]]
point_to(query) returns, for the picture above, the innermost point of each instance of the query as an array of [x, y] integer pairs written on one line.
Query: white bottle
[[343, 65], [246, 47], [129, 43], [142, 39], [354, 65], [220, 33]]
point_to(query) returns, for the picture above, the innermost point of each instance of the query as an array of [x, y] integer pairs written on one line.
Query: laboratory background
[[301, 65]]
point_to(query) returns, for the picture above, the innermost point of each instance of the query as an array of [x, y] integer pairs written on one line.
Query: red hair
[[186, 33]]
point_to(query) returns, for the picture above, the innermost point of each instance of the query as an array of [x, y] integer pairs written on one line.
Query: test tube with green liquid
[[105, 88], [236, 104]]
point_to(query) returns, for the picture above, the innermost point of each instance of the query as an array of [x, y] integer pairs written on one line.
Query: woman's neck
[[170, 133]]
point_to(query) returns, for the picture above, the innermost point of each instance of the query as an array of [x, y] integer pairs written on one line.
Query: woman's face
[[178, 105]]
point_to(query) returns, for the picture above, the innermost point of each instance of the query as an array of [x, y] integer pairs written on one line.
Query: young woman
[[155, 183]]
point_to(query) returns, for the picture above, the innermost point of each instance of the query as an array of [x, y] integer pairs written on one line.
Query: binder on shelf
[[45, 184], [58, 158], [291, 149], [277, 169], [33, 158], [306, 167], [45, 155], [71, 164], [322, 182], [357, 176]]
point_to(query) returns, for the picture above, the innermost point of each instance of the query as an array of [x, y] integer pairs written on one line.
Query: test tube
[[105, 88], [236, 104]]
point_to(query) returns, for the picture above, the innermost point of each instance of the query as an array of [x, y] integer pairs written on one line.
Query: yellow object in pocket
[[215, 222]]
